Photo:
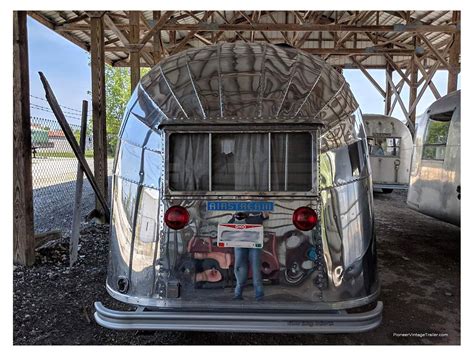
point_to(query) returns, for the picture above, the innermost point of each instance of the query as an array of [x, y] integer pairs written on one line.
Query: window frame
[[223, 129], [386, 137], [425, 135]]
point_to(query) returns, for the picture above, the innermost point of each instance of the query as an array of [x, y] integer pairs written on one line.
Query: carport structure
[[414, 44]]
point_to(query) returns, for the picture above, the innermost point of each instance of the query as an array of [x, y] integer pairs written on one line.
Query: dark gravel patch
[[48, 201], [419, 265]]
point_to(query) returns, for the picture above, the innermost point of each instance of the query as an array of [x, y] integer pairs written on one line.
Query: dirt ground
[[419, 266]]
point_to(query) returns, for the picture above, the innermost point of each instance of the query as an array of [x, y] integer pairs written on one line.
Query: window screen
[[241, 162], [436, 137], [384, 146]]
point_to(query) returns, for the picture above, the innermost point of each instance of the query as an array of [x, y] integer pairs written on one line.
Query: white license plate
[[240, 235]]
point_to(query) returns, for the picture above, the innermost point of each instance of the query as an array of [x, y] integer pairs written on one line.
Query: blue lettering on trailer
[[240, 206]]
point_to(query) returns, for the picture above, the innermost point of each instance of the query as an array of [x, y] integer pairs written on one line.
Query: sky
[[66, 66]]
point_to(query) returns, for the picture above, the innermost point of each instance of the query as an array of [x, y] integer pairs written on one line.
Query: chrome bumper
[[310, 322]]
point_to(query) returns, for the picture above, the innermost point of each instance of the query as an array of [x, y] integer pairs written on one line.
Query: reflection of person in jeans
[[245, 255]]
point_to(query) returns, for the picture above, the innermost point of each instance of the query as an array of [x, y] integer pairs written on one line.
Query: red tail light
[[176, 217], [305, 218]]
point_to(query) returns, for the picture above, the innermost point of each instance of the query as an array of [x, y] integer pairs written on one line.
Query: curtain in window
[[240, 162], [189, 162], [251, 162], [298, 175]]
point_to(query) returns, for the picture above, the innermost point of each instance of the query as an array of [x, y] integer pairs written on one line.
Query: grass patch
[[57, 154]]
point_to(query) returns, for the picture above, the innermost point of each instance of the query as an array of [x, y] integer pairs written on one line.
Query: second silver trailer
[[390, 149]]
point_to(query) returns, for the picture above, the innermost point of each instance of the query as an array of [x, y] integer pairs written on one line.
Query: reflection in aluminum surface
[[243, 87]]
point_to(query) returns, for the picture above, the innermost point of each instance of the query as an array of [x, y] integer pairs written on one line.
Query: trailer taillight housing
[[305, 218], [176, 217]]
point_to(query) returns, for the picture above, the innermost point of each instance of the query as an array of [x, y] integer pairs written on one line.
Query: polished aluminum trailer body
[[390, 150], [243, 91], [435, 179]]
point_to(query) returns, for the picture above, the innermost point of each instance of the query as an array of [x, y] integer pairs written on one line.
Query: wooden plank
[[411, 28], [372, 51], [413, 91], [99, 107], [23, 222], [58, 113], [134, 35], [369, 77], [190, 35], [426, 77], [296, 27], [389, 59], [388, 93], [38, 16], [436, 52], [157, 44], [412, 110], [125, 40], [454, 53], [76, 216], [157, 27], [398, 98]]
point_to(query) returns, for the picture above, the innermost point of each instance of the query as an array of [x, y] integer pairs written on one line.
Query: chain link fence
[[54, 169]]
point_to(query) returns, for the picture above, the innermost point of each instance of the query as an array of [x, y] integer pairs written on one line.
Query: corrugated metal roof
[[75, 19]]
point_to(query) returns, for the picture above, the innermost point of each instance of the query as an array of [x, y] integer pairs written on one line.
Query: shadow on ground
[[419, 266]]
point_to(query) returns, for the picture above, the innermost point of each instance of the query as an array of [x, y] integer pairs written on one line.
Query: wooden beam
[[426, 77], [134, 20], [76, 215], [58, 113], [413, 88], [99, 107], [23, 222], [398, 98], [156, 27], [174, 26], [125, 40], [388, 93], [390, 61], [399, 88], [157, 43], [411, 28], [412, 110], [369, 77], [38, 16], [369, 51], [436, 52], [190, 35], [454, 54]]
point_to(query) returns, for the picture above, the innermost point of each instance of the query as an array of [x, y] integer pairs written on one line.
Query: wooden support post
[[98, 107], [76, 216], [454, 53], [388, 92], [156, 39], [134, 17], [413, 86], [23, 228], [368, 76], [58, 113], [398, 98]]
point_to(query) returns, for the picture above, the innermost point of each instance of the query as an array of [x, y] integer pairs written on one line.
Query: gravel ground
[[419, 265], [54, 204]]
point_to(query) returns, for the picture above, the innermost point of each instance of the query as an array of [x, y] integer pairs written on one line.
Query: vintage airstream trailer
[[390, 149], [435, 179], [242, 130]]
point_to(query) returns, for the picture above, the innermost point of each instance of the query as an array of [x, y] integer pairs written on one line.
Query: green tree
[[117, 94]]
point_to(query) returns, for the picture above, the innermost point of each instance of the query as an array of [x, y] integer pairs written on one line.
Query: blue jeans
[[242, 256]]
